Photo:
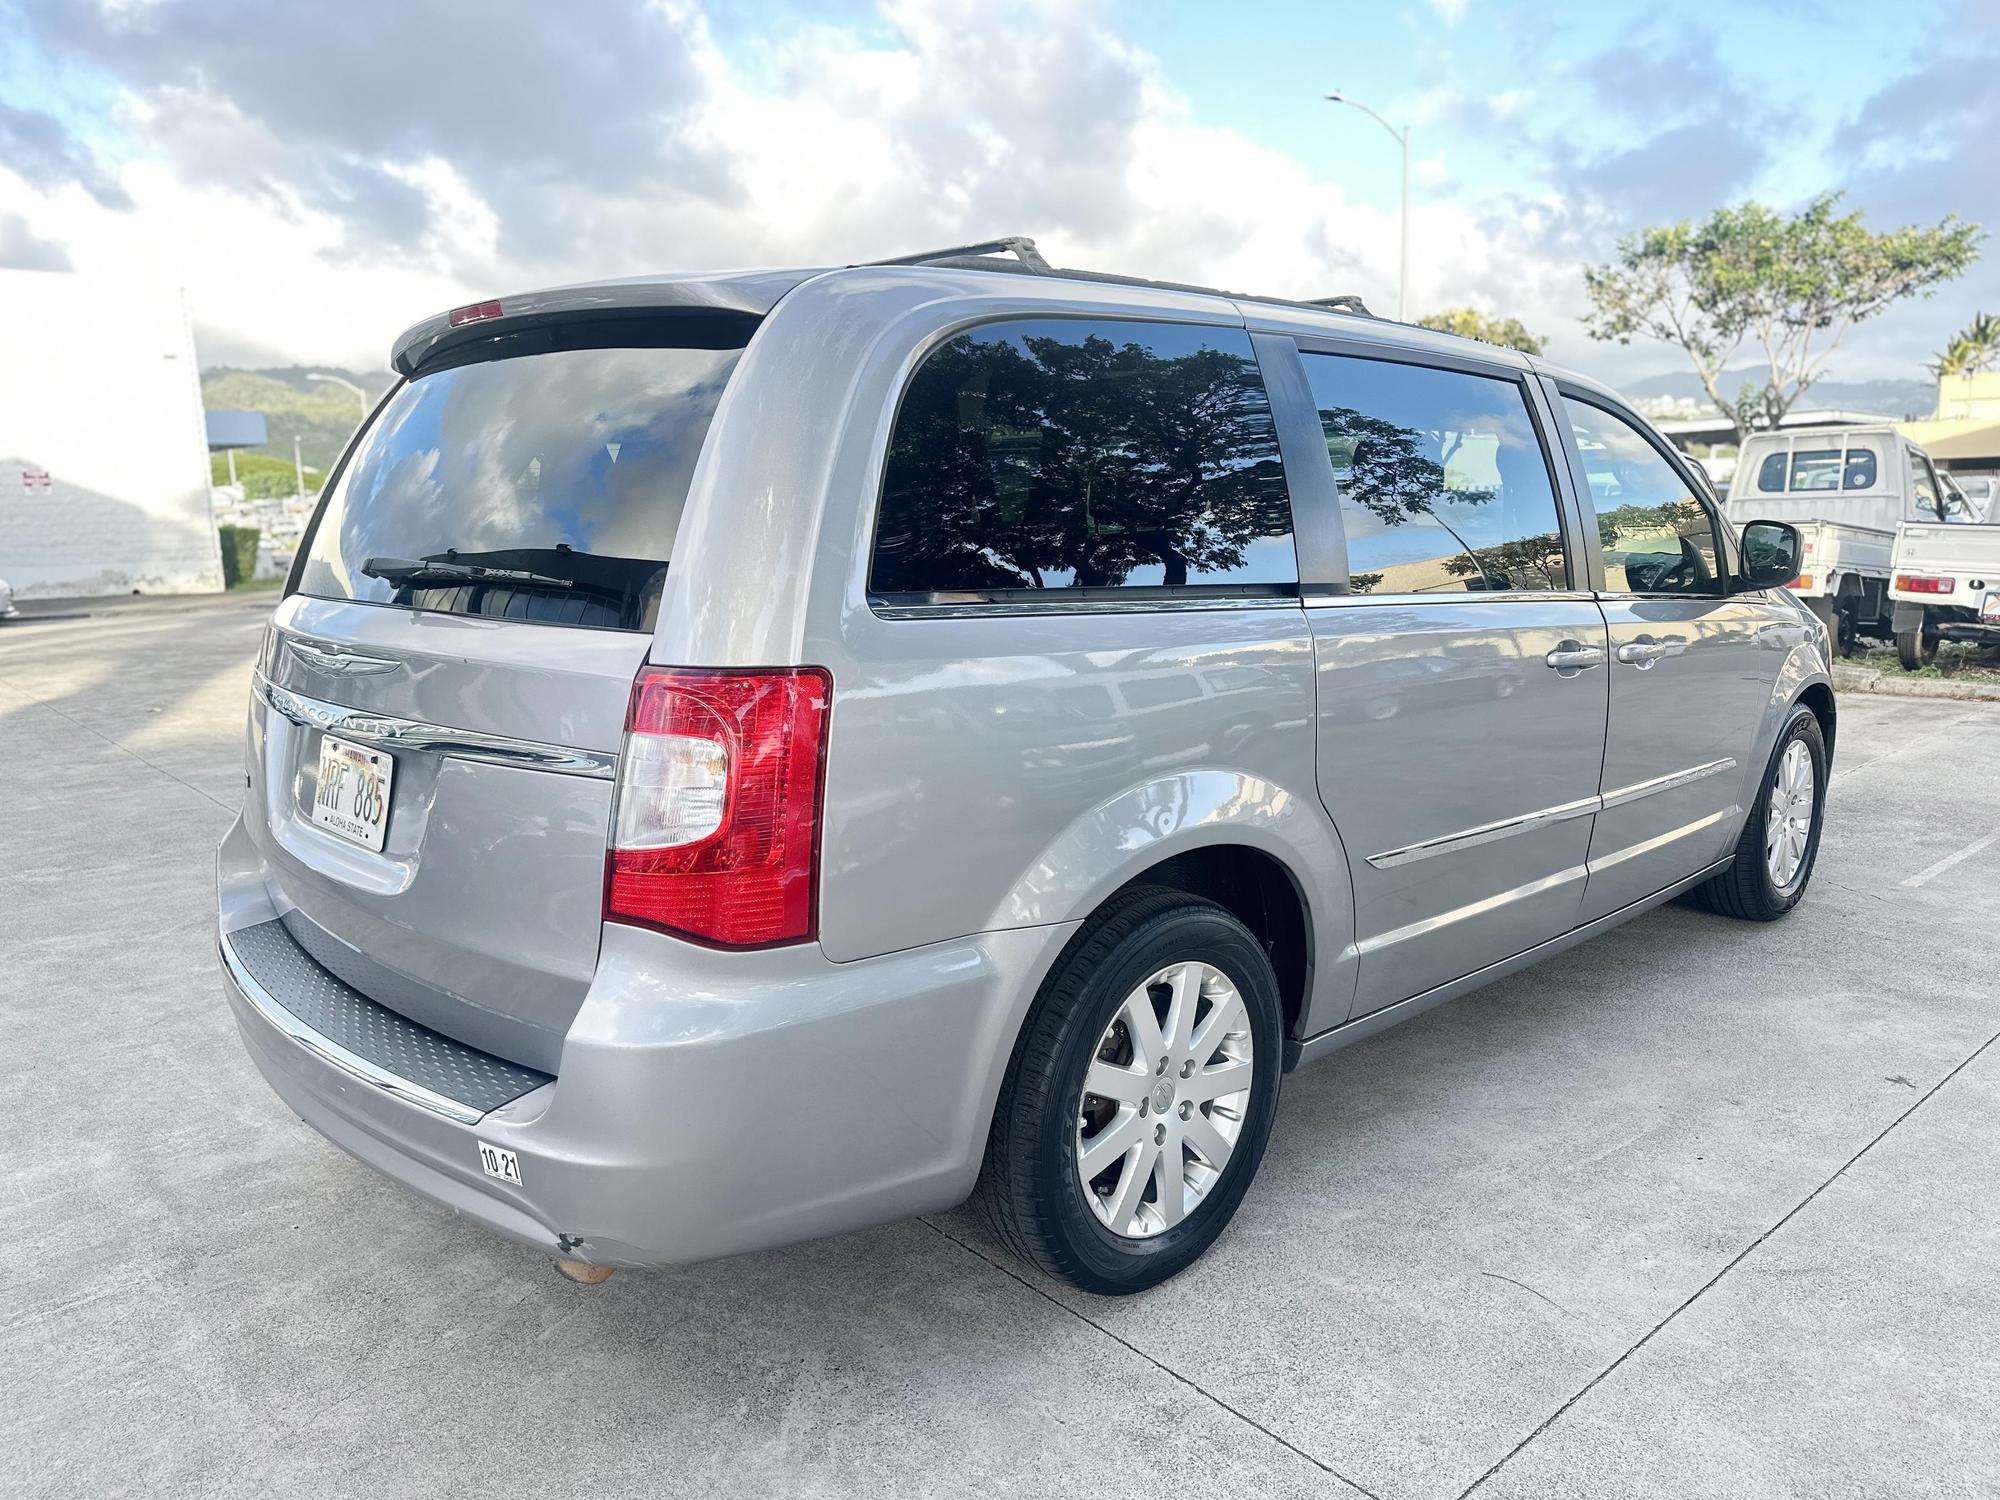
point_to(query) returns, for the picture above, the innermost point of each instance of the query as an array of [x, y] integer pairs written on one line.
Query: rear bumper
[[706, 1103]]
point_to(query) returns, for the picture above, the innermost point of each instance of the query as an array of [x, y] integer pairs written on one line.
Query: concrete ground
[[1697, 1209]]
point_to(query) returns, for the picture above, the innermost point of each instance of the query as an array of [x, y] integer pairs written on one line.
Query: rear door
[[1692, 668], [492, 705], [1461, 675]]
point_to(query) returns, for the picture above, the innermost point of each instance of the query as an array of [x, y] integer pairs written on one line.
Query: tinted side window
[[1657, 537], [1058, 454], [1771, 474], [1443, 484]]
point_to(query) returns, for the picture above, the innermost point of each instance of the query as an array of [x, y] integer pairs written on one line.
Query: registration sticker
[[352, 797], [498, 1161]]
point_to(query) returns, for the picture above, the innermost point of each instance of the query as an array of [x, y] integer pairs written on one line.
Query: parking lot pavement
[[1699, 1208]]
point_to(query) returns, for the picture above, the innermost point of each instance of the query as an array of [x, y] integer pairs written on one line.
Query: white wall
[[100, 390]]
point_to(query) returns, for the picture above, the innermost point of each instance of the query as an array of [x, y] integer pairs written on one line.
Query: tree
[[1972, 352], [1793, 285], [1470, 323]]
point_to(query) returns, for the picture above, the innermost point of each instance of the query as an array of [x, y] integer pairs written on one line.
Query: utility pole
[[1402, 139], [299, 468]]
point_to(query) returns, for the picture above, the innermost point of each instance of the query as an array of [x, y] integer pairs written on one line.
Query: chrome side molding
[[1487, 833], [1667, 783], [391, 732]]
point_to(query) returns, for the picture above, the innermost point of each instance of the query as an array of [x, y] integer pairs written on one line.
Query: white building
[[103, 452]]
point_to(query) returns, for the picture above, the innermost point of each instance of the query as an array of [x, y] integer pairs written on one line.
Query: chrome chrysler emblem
[[341, 661]]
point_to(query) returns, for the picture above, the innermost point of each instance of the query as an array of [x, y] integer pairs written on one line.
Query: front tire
[[1780, 841], [1139, 1096]]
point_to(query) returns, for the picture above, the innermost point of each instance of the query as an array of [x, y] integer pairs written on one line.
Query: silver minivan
[[745, 757]]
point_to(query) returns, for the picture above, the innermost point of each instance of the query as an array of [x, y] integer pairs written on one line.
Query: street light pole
[[299, 467], [1403, 140], [359, 394]]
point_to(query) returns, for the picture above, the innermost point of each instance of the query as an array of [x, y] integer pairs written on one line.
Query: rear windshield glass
[[564, 471], [1817, 469]]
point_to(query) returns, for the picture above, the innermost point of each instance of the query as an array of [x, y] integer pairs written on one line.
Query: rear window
[[1084, 456], [1817, 469], [567, 469]]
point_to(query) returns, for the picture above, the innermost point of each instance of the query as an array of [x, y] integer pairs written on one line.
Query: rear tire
[[1839, 620], [1189, 961], [1778, 847], [1916, 649]]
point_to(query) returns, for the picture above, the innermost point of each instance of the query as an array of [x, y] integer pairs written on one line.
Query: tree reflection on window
[[1047, 455], [1401, 476]]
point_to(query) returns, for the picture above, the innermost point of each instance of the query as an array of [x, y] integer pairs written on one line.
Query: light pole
[[1402, 139], [339, 380], [345, 384]]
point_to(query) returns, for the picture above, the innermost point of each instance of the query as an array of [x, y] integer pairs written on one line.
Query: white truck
[[1945, 587], [1847, 489]]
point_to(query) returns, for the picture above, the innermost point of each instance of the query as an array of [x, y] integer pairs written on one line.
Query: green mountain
[[320, 413]]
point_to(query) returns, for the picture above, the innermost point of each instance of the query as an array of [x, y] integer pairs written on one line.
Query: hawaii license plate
[[353, 795], [1990, 611]]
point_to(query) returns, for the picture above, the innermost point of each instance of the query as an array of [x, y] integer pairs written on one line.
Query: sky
[[317, 177]]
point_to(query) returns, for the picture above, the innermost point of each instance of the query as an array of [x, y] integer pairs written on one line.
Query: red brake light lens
[[715, 835], [1917, 583], [476, 312]]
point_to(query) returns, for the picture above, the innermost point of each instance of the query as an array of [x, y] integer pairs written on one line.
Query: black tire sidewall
[[1804, 725], [1109, 1262]]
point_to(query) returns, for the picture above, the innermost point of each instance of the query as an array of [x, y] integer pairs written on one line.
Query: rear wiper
[[403, 571]]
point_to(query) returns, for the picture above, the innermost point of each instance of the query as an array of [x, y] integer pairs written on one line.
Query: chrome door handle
[[1642, 654], [1574, 656]]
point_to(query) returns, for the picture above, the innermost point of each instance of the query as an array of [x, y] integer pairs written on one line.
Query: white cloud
[[1451, 12], [323, 236]]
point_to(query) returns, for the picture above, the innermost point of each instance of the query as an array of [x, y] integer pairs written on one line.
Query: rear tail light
[[1803, 581], [1919, 583], [715, 835]]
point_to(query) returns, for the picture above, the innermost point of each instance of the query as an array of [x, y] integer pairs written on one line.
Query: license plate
[[497, 1161], [353, 795], [1990, 610]]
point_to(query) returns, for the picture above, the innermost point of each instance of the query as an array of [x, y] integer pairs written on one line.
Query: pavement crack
[[1734, 1261], [1008, 1271], [1530, 1291]]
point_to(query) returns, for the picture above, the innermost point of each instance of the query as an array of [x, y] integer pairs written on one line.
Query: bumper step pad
[[373, 1032]]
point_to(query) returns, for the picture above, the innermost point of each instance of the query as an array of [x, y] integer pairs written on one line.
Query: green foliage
[[239, 554], [1470, 323], [321, 414], [1974, 351], [1793, 285], [262, 475]]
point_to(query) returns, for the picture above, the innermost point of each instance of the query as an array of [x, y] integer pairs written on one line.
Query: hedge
[[239, 554]]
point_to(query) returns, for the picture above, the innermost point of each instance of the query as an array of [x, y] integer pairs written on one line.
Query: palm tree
[[1974, 351]]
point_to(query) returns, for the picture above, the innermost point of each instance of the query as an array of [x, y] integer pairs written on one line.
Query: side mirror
[[1772, 552]]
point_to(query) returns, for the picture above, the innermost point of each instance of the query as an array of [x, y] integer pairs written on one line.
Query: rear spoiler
[[740, 300]]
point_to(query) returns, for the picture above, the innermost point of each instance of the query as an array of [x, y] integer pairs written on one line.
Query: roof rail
[[1029, 262], [1347, 302], [1018, 244]]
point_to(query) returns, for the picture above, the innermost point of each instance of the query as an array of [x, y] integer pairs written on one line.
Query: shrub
[[239, 554]]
